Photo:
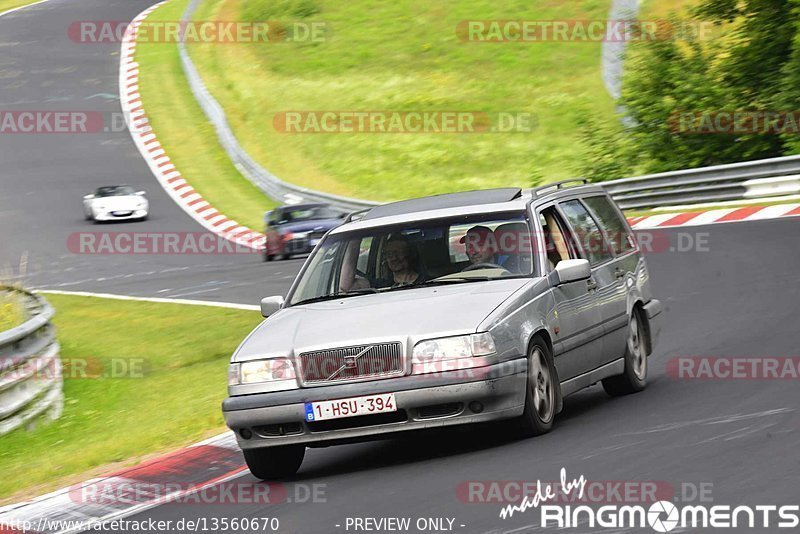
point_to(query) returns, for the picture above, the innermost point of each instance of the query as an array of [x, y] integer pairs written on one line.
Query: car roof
[[448, 200], [304, 206], [468, 202]]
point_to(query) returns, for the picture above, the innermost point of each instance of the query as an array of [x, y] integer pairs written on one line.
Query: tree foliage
[[750, 62]]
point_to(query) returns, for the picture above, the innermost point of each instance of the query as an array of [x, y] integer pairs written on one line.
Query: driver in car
[[480, 245]]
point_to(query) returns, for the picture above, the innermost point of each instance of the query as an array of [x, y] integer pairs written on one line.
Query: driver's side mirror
[[569, 271], [88, 197], [271, 305], [140, 193]]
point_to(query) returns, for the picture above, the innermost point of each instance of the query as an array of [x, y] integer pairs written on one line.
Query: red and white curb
[[175, 476], [718, 216], [156, 157]]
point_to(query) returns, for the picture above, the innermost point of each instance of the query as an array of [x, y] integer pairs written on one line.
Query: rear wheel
[[270, 463], [634, 378], [540, 394], [285, 256]]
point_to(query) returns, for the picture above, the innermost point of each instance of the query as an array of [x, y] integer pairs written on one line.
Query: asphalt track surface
[[734, 296]]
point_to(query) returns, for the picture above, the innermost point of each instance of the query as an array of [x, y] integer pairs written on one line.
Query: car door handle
[[591, 285], [619, 273]]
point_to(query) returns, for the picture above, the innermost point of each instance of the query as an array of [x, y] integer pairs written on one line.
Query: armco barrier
[[30, 367], [735, 181]]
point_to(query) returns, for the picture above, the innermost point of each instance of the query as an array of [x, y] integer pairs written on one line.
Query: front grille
[[361, 361]]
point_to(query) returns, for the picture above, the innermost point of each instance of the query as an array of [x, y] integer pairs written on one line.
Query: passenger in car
[[402, 261], [480, 245]]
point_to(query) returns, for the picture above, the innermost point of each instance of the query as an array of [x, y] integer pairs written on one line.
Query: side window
[[616, 232], [558, 243], [586, 231]]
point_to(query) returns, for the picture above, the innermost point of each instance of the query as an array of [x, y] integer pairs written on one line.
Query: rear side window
[[617, 233], [586, 232]]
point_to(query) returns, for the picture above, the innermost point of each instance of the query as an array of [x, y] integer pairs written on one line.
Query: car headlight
[[451, 348], [260, 371]]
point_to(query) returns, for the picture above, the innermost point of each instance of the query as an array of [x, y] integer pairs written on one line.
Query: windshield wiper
[[458, 280], [335, 296]]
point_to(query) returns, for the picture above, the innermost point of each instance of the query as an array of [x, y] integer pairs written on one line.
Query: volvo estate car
[[447, 310]]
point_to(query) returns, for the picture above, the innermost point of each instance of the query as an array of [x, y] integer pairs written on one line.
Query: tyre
[[541, 392], [268, 256], [285, 256], [634, 378], [270, 463]]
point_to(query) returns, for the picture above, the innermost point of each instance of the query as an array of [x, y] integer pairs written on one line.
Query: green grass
[[5, 5], [406, 56], [11, 312], [112, 422], [187, 136]]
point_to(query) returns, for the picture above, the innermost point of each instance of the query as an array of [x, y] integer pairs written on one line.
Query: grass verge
[[6, 5], [170, 363], [11, 312], [403, 56], [187, 136]]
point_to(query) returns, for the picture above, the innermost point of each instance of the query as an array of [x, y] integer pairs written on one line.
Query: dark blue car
[[296, 229]]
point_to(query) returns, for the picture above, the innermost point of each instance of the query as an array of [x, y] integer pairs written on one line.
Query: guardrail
[[30, 367], [736, 181]]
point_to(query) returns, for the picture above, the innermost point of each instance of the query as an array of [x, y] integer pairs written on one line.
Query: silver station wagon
[[446, 310]]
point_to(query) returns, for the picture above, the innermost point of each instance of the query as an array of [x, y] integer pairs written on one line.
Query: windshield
[[456, 250], [308, 213], [114, 191]]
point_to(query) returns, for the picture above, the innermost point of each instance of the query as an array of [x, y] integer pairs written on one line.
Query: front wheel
[[540, 394], [634, 378], [270, 463]]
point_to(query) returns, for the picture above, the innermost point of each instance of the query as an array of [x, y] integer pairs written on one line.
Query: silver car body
[[584, 323]]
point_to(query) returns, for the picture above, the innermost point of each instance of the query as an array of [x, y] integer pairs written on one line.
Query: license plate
[[335, 409], [313, 242]]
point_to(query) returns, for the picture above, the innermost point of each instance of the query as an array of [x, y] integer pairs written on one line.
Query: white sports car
[[115, 203]]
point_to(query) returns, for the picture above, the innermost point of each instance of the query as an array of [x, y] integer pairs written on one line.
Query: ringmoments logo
[[661, 516]]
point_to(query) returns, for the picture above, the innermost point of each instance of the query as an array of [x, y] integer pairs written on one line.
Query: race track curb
[[146, 140], [180, 475], [715, 216]]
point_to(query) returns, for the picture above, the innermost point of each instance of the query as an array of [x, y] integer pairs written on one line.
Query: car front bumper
[[110, 215], [424, 401]]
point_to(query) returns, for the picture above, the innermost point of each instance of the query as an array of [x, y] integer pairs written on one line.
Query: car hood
[[119, 203], [320, 225], [406, 315]]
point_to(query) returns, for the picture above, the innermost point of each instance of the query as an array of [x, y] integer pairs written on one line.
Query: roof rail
[[536, 191], [356, 215]]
